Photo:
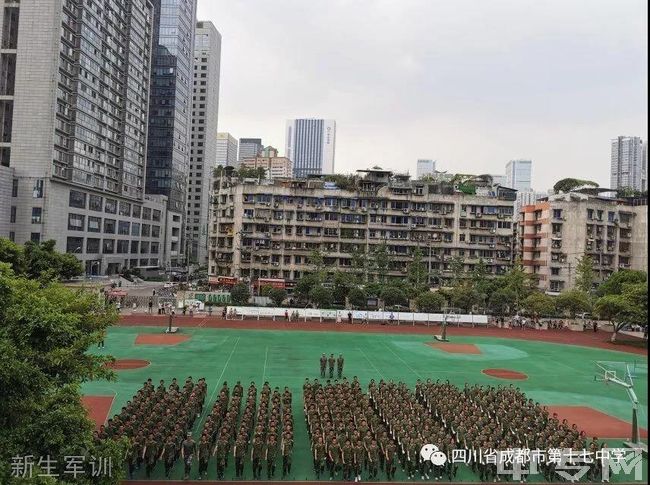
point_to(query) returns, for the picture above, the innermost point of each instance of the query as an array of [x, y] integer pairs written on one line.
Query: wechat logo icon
[[433, 454]]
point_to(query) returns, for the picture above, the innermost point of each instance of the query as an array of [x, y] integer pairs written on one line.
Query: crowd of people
[[157, 421], [328, 363]]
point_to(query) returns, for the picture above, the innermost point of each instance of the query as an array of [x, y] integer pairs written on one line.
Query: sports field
[[556, 375]]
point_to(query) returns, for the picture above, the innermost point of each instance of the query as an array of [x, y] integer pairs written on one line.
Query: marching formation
[[329, 363]]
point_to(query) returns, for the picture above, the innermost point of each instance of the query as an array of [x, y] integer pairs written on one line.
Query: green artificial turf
[[557, 374]]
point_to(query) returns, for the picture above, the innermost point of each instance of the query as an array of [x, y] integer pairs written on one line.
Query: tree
[[569, 184], [380, 261], [585, 274], [305, 285], [615, 283], [321, 296], [480, 280], [539, 304], [317, 261], [457, 268], [393, 296], [240, 294], [501, 301], [573, 302], [360, 264], [630, 307], [342, 283], [266, 290], [40, 261], [277, 295], [464, 297], [12, 254], [417, 272], [45, 333], [357, 298], [519, 282], [430, 302]]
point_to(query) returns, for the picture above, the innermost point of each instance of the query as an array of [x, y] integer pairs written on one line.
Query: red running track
[[598, 340]]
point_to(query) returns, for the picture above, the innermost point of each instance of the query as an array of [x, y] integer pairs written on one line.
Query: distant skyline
[[552, 82]]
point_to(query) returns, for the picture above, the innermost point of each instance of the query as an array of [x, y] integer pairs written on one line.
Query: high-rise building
[[499, 179], [203, 155], [629, 166], [425, 167], [249, 147], [226, 150], [311, 146], [74, 91], [268, 159], [518, 174], [168, 153]]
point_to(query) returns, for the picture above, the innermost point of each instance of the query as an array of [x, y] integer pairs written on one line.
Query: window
[[155, 231], [92, 246], [111, 206], [35, 237], [156, 215], [108, 246], [95, 203], [122, 247], [12, 215], [137, 211], [109, 226], [37, 212], [135, 229], [124, 228], [12, 236], [125, 209], [94, 224], [135, 245], [77, 199], [146, 230], [37, 193], [146, 213], [155, 248], [14, 188], [144, 247], [76, 222], [75, 245]]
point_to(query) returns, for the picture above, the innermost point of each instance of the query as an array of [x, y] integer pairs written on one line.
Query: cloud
[[467, 82]]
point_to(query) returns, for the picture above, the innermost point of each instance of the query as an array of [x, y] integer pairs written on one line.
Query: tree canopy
[[569, 184], [39, 261]]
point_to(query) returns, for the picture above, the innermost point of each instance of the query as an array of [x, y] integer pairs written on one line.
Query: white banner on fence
[[357, 315]]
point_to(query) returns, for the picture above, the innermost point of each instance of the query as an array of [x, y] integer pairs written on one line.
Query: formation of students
[[157, 422], [262, 433], [329, 364]]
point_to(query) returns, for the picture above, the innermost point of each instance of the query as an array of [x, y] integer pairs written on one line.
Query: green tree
[[342, 284], [573, 302], [277, 295], [457, 268], [417, 272], [359, 259], [615, 283], [429, 302], [569, 184], [45, 333], [585, 274], [539, 304], [240, 294], [501, 301], [519, 282], [464, 297], [305, 285], [357, 298], [12, 254], [380, 261], [40, 261], [317, 262], [321, 296], [630, 307], [393, 296], [266, 290]]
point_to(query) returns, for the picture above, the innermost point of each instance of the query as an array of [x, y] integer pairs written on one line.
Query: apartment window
[[124, 228], [135, 246], [76, 222], [35, 237], [125, 209], [12, 215], [555, 271], [111, 206], [155, 248], [14, 188], [74, 245], [144, 247], [95, 203], [109, 246], [92, 246], [109, 226], [12, 236], [146, 213], [77, 199], [37, 213], [135, 229], [146, 230], [137, 211], [155, 231], [557, 213], [122, 247], [94, 224], [37, 193], [156, 215]]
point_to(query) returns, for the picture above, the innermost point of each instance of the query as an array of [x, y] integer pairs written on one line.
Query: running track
[[598, 340]]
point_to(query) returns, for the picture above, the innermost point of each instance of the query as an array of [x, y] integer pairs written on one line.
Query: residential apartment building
[[519, 174], [276, 167], [556, 232], [425, 167], [311, 146], [226, 150], [249, 148], [170, 104], [269, 229], [629, 166], [74, 96], [203, 153]]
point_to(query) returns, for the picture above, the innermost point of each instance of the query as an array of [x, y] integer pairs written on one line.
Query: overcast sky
[[469, 83]]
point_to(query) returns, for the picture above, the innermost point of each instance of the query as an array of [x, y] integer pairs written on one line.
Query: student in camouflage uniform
[[323, 365], [330, 364], [339, 366]]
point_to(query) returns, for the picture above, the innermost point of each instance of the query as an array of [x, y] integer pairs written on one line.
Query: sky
[[469, 83]]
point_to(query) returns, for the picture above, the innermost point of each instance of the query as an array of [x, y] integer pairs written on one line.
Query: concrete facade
[[203, 154], [268, 230], [276, 167], [555, 233]]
